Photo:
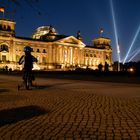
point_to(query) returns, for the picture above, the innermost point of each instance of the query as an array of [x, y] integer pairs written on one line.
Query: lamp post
[[118, 51]]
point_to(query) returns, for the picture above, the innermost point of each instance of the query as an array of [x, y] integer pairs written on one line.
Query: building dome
[[43, 30]]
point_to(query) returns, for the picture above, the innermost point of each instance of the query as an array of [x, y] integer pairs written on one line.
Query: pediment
[[71, 40]]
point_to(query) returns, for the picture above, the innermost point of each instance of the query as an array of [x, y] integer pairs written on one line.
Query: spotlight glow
[[136, 53], [116, 34], [133, 41], [114, 23], [132, 53]]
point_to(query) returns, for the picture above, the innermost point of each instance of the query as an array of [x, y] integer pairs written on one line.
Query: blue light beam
[[133, 41], [137, 52], [115, 30], [130, 55]]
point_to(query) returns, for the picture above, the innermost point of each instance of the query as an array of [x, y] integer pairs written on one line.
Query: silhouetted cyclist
[[27, 61]]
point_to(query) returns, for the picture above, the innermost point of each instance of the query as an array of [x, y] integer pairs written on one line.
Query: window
[[91, 55], [8, 28], [38, 50], [4, 27], [44, 51], [4, 48], [86, 54], [3, 58], [107, 57], [0, 26]]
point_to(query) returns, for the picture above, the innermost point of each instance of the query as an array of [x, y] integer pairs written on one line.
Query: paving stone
[[74, 110]]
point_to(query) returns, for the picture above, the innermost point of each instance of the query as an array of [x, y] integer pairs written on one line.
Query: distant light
[[131, 70], [133, 41]]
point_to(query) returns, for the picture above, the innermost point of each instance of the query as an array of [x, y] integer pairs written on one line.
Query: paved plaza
[[60, 109]]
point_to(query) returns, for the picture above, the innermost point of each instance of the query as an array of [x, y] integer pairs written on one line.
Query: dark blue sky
[[88, 16]]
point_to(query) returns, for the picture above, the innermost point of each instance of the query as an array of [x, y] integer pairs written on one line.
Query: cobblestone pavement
[[69, 110]]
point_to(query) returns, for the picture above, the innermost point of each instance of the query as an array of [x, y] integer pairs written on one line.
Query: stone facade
[[53, 51]]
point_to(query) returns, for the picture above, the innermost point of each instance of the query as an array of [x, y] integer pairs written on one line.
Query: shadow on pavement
[[14, 115], [43, 86], [49, 86]]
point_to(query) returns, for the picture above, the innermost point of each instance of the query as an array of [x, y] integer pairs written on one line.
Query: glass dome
[[40, 31]]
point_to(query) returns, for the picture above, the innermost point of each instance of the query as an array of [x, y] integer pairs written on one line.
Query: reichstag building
[[53, 51]]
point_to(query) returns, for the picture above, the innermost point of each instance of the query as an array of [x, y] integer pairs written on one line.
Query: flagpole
[[3, 14], [2, 9]]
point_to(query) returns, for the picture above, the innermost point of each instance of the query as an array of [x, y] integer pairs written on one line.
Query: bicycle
[[27, 81]]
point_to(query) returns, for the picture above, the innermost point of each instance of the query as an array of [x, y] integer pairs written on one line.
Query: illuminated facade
[[52, 50]]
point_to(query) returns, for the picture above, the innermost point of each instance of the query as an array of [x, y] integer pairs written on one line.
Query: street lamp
[[118, 51]]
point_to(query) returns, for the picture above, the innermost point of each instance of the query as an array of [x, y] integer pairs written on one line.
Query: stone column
[[63, 58], [56, 54], [81, 56], [60, 54], [68, 55], [49, 56], [71, 56], [74, 56]]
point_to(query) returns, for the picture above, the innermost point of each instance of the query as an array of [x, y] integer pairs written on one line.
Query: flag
[[2, 9]]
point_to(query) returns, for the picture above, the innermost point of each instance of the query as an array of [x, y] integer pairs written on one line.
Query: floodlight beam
[[133, 41], [116, 35], [134, 55]]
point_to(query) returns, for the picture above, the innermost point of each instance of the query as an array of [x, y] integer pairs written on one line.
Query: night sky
[[88, 16]]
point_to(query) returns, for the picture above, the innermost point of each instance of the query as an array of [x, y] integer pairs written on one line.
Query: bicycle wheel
[[27, 80], [26, 84]]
